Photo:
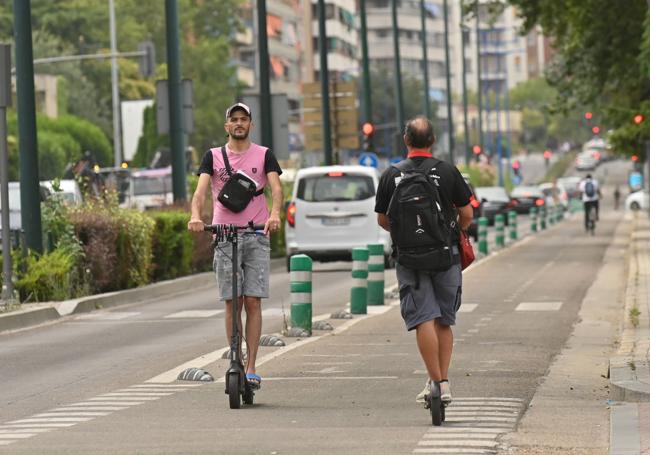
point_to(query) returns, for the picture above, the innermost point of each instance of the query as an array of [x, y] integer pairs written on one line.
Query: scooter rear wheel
[[437, 410], [233, 390]]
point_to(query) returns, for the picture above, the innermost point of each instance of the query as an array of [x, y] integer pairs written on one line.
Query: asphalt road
[[352, 392]]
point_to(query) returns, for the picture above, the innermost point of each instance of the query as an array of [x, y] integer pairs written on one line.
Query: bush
[[117, 245], [88, 135], [53, 276], [172, 245]]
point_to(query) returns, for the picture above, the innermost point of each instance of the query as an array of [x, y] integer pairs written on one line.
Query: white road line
[[165, 386], [136, 395], [53, 420], [485, 408], [37, 425], [91, 408], [190, 314], [138, 390], [467, 307], [473, 331], [26, 430], [273, 312], [491, 399], [73, 414], [108, 316], [456, 436], [17, 436], [455, 451], [451, 430], [487, 443], [324, 378], [102, 402], [539, 306], [480, 419], [6, 443], [114, 398]]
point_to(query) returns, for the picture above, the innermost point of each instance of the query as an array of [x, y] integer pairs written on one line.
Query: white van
[[332, 210], [149, 188]]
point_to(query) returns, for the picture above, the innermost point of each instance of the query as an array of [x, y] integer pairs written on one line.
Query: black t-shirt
[[270, 163], [453, 189]]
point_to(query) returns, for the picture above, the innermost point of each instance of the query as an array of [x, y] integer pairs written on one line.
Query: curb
[[51, 311], [624, 430]]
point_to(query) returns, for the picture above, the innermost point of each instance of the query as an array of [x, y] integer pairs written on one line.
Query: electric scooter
[[435, 405], [237, 387]]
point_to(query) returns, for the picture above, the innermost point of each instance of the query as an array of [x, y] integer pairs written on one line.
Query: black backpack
[[420, 230]]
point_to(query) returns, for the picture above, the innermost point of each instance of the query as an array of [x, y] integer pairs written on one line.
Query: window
[[324, 188]]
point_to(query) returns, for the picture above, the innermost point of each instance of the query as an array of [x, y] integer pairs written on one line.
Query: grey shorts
[[436, 296], [254, 264]]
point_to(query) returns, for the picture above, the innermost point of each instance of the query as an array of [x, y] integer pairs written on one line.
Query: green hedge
[[172, 245], [53, 276]]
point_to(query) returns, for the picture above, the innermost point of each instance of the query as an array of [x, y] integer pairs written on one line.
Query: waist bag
[[239, 190]]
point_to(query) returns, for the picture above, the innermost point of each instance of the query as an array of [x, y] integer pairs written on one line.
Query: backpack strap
[[229, 169], [408, 165]]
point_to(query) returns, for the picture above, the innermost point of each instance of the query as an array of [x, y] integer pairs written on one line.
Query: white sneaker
[[445, 392], [422, 396]]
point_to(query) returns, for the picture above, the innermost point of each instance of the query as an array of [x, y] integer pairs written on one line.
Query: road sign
[[369, 159], [635, 181]]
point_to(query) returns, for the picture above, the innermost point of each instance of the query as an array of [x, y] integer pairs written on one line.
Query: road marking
[[328, 370], [37, 425], [136, 395], [108, 315], [327, 363], [106, 403], [325, 378], [472, 331], [17, 436], [273, 312], [6, 443], [90, 408], [473, 425], [72, 414], [53, 420], [467, 307], [190, 314], [539, 306], [104, 399], [26, 430]]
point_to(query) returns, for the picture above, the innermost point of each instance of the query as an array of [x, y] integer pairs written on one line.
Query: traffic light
[[476, 150], [368, 130], [595, 130], [516, 167], [638, 119], [635, 158], [588, 115]]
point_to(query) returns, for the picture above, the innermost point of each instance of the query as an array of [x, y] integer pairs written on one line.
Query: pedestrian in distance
[[254, 249], [617, 197], [590, 190], [425, 247]]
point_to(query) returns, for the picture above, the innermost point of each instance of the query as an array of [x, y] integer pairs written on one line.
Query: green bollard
[[533, 219], [560, 214], [498, 227], [512, 224], [482, 235], [359, 292], [542, 218], [300, 266], [551, 215], [375, 274]]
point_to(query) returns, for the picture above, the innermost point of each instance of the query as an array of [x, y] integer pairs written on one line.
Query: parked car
[[149, 188], [571, 185], [494, 201], [555, 195], [637, 201], [585, 161], [331, 211], [68, 190], [472, 230], [527, 197]]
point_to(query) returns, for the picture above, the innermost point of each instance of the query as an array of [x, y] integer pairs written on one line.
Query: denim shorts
[[254, 264], [426, 296]]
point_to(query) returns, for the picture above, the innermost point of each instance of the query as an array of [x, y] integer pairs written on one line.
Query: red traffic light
[[476, 150], [588, 115], [367, 129], [635, 158], [516, 164], [595, 130], [638, 119], [547, 154]]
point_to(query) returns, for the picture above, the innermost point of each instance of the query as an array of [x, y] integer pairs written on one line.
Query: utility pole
[[468, 147], [265, 80], [324, 83], [450, 120], [398, 78], [478, 74], [5, 100], [30, 198], [367, 107], [115, 77], [175, 101], [425, 58]]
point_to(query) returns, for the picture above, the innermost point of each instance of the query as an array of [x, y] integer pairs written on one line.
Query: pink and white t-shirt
[[256, 162]]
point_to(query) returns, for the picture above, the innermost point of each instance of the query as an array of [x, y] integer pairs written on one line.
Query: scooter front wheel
[[233, 390]]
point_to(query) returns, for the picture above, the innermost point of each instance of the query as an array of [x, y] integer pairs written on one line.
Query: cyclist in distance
[[590, 197], [254, 249]]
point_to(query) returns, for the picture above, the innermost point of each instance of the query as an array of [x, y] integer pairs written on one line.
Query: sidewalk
[[630, 367]]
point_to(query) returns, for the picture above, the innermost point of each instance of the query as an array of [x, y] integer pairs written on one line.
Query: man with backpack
[[423, 202], [590, 197]]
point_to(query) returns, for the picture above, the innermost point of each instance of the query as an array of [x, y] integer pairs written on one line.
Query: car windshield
[[346, 187], [526, 191], [492, 193], [152, 185]]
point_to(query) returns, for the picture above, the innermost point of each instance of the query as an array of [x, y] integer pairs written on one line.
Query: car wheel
[[635, 206]]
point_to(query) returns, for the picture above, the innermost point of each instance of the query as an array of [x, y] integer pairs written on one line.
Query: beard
[[239, 134]]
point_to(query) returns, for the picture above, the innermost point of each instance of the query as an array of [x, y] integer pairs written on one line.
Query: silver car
[[332, 210]]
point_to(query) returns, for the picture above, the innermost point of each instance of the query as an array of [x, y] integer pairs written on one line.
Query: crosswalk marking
[[539, 306], [75, 413], [188, 314], [467, 307], [473, 425], [108, 315]]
